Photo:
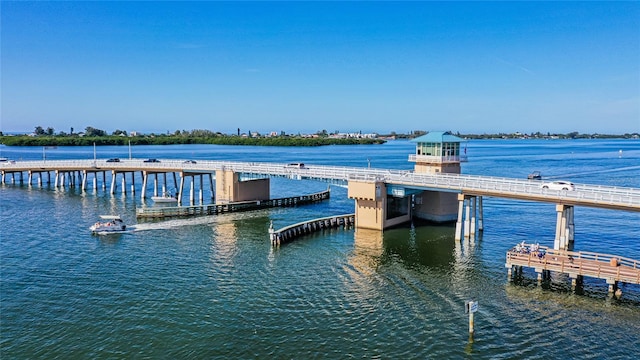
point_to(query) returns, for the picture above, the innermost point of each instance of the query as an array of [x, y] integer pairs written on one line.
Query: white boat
[[110, 224], [166, 198]]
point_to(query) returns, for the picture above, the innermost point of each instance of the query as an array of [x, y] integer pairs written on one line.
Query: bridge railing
[[405, 178]]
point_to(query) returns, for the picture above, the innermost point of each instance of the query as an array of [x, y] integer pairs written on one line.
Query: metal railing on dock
[[612, 268], [214, 209], [291, 232]]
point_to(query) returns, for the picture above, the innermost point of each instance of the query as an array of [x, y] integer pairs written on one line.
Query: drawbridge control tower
[[437, 152]]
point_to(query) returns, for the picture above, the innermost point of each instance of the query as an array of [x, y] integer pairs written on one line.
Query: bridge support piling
[[467, 213], [564, 227], [213, 194], [192, 191], [155, 184], [201, 194], [458, 235], [181, 189], [473, 200], [143, 193], [113, 182], [83, 187]]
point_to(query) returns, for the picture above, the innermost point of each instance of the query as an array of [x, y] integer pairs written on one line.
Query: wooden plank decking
[[612, 268]]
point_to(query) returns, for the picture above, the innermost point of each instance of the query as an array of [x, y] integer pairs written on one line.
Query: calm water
[[214, 288]]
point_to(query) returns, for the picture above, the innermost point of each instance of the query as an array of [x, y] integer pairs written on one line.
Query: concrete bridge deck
[[398, 181]]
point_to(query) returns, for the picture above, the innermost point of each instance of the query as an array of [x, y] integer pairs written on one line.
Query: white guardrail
[[509, 187]]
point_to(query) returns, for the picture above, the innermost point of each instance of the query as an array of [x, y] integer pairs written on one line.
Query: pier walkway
[[214, 209], [576, 264]]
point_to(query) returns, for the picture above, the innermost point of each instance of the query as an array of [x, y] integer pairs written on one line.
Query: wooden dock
[[577, 264], [214, 209], [291, 232]]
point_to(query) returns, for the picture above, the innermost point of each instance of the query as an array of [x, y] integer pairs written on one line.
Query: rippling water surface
[[213, 287]]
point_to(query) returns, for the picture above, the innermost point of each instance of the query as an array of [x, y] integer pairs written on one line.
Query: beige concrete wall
[[226, 186], [369, 214], [453, 168], [436, 206], [230, 189], [365, 190], [371, 205]]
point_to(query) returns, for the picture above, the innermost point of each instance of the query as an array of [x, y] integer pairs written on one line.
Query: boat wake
[[171, 224]]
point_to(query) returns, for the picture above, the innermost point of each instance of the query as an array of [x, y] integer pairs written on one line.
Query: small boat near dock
[[110, 224], [165, 199]]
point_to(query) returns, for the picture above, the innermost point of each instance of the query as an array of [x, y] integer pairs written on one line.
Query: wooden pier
[[291, 232], [214, 209], [577, 264]]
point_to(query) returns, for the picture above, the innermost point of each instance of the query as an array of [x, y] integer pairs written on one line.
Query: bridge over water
[[400, 182], [370, 188]]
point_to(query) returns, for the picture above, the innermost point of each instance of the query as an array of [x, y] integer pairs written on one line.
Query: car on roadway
[[189, 162], [295, 166], [152, 161], [558, 185], [113, 160]]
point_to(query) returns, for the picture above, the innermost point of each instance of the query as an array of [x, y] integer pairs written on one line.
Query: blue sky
[[471, 67]]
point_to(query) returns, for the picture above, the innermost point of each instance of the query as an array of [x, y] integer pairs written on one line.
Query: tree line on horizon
[[91, 135]]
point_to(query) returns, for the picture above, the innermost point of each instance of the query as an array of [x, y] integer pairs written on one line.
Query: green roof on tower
[[438, 137]]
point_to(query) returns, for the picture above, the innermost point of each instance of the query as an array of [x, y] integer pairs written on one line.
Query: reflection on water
[[367, 251]]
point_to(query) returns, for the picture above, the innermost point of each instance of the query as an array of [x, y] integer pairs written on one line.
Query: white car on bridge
[[558, 185]]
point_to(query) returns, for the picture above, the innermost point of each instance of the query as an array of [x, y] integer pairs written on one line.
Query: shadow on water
[[424, 246]]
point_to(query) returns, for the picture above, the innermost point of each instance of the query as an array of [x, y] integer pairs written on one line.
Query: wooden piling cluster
[[577, 264], [214, 209], [291, 232]]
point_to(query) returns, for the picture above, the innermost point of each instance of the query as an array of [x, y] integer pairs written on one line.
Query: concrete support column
[[155, 184], [104, 180], [473, 199], [164, 184], [133, 183], [480, 215], [458, 235], [213, 194], [564, 227], [200, 193], [124, 183], [30, 178], [40, 179], [467, 214], [95, 182], [191, 191], [181, 189], [57, 175], [84, 181], [113, 182], [144, 186], [571, 229]]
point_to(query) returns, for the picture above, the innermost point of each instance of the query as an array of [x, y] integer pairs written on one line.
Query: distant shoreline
[[282, 140]]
